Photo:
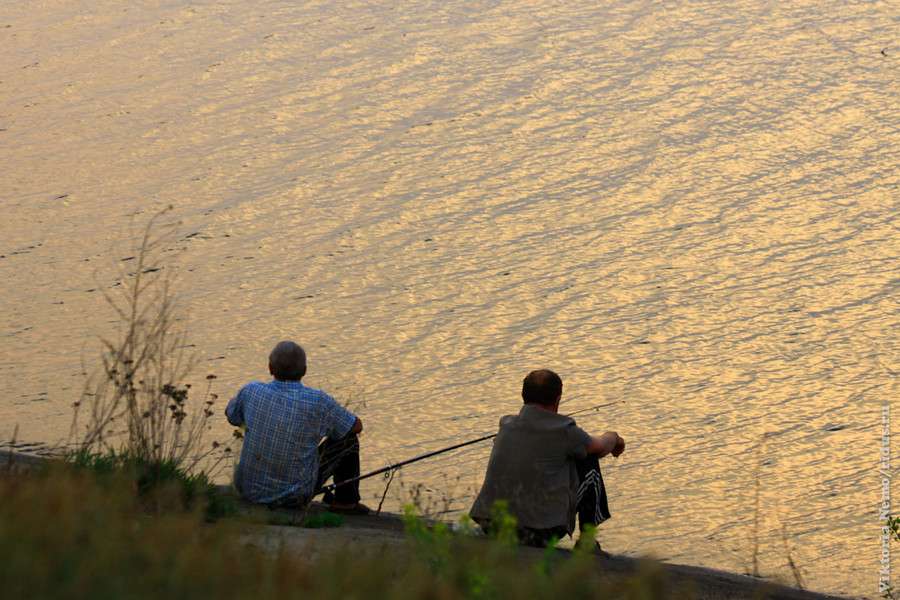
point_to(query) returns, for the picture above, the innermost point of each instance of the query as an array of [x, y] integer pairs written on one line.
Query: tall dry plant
[[138, 404]]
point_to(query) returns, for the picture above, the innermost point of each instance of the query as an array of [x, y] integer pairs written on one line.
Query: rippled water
[[690, 206]]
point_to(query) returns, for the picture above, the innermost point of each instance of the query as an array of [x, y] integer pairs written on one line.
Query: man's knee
[[585, 465]]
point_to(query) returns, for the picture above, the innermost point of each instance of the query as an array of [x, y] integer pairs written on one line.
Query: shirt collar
[[287, 384]]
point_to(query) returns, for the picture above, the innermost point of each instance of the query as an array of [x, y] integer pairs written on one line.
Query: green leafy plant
[[890, 531], [326, 519], [504, 526]]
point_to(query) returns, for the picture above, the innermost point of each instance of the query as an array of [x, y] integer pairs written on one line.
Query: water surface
[[687, 205]]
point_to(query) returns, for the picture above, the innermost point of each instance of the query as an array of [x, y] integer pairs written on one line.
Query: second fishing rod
[[392, 467]]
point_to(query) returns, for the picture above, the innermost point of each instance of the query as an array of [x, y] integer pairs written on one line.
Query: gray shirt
[[532, 468]]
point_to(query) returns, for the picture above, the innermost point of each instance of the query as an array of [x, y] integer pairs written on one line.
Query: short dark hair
[[288, 361], [541, 387]]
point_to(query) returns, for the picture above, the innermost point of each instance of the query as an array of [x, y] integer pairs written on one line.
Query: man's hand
[[608, 443]]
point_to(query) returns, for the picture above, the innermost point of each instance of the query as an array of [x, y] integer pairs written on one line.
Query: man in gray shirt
[[545, 467]]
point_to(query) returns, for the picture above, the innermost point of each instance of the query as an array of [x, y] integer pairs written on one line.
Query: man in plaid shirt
[[282, 461]]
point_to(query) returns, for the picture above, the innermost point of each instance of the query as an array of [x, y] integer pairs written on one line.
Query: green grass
[[68, 532], [156, 484]]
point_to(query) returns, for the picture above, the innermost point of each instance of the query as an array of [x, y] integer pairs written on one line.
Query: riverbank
[[386, 531], [386, 535]]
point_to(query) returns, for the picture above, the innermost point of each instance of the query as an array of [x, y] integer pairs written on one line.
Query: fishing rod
[[331, 487], [594, 408]]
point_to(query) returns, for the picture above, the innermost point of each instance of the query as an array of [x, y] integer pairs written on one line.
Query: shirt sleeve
[[579, 441], [340, 421], [235, 410]]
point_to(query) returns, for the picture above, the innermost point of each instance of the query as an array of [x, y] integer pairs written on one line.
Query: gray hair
[[288, 361]]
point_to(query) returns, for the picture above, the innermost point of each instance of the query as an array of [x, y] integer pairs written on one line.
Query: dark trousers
[[592, 506], [340, 459]]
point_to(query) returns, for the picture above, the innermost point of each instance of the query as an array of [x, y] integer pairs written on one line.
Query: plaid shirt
[[285, 422]]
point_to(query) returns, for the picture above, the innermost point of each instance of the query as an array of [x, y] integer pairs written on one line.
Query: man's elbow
[[598, 448], [357, 427]]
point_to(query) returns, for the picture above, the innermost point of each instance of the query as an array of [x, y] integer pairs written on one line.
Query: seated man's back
[[282, 461], [545, 468], [285, 422], [531, 469]]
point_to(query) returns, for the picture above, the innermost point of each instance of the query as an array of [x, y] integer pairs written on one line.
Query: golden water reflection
[[689, 206]]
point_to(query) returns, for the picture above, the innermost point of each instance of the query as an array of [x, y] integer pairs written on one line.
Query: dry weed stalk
[[137, 404], [389, 478], [756, 515], [795, 569], [8, 468], [431, 504], [757, 518]]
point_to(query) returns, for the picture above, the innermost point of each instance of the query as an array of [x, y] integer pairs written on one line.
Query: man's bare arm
[[357, 427], [608, 443]]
